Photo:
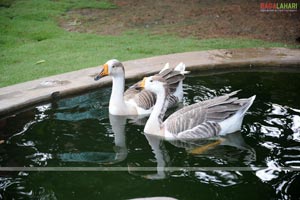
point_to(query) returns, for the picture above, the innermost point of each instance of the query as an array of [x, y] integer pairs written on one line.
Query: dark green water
[[76, 132]]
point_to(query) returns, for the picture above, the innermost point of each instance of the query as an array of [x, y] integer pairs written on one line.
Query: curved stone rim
[[20, 96]]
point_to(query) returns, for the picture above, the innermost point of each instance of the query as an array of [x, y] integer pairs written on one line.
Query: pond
[[92, 155]]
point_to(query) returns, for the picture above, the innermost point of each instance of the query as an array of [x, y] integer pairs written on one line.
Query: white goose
[[136, 100], [210, 118]]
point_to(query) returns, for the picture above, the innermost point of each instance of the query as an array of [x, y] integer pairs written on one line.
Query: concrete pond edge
[[21, 96]]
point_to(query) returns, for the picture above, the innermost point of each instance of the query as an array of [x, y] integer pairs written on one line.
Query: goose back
[[204, 116]]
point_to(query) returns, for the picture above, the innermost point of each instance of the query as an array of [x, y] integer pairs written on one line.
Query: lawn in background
[[32, 45]]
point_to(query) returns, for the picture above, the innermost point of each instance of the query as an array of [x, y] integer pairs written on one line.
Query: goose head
[[155, 84], [111, 68]]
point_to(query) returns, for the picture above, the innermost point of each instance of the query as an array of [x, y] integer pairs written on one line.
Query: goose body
[[211, 118], [135, 100]]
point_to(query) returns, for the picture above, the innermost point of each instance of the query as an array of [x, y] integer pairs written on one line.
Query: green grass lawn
[[32, 45]]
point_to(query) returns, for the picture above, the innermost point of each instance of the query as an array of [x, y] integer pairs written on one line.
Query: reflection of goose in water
[[118, 127], [241, 151], [82, 107], [232, 149], [218, 148], [161, 156]]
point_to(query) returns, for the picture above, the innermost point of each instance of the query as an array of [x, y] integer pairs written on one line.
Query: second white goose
[[218, 116]]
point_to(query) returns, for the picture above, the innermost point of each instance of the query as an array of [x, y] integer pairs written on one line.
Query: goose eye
[[113, 66], [151, 81]]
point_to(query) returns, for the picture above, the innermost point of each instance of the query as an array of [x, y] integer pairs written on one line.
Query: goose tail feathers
[[234, 123], [248, 103]]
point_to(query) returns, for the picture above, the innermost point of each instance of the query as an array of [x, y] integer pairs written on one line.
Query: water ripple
[[78, 128], [219, 178]]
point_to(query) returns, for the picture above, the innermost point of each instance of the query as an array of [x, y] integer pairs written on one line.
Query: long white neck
[[116, 102], [154, 123]]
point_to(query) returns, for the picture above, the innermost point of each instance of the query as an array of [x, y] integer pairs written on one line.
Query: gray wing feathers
[[225, 99], [172, 77], [172, 100], [131, 92], [203, 117], [145, 99], [174, 81], [165, 72], [204, 130]]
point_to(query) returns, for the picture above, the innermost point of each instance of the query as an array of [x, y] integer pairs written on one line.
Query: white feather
[[181, 68]]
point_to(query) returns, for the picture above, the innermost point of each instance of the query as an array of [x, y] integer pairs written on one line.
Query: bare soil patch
[[188, 18]]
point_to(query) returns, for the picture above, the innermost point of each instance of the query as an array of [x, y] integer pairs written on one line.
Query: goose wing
[[200, 120], [143, 98], [146, 99], [132, 91]]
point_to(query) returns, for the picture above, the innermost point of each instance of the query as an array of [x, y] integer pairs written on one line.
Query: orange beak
[[142, 83], [104, 72]]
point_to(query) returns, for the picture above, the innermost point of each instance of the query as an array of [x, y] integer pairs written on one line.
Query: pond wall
[[20, 96]]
